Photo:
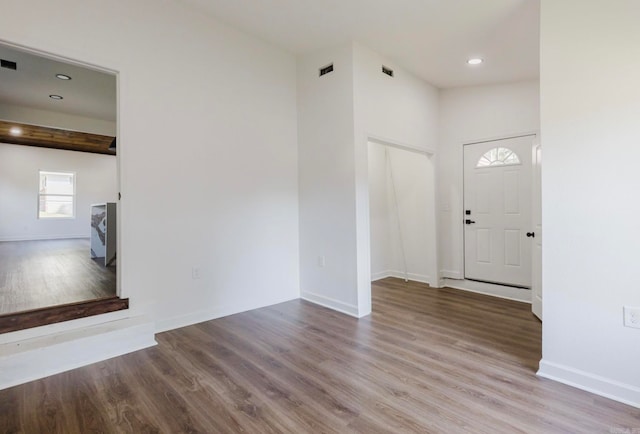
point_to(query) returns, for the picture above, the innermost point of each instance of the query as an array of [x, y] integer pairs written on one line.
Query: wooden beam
[[44, 137], [66, 312]]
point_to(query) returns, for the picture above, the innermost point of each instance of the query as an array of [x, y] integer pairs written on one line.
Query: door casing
[[514, 224]]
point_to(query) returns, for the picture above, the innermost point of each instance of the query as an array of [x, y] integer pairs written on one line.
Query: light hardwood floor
[[37, 274], [426, 360]]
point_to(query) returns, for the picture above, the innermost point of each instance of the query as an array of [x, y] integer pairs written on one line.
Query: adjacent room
[[356, 216], [59, 184]]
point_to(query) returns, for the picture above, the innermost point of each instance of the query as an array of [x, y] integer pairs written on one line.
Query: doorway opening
[[502, 213], [401, 213], [58, 128], [497, 208]]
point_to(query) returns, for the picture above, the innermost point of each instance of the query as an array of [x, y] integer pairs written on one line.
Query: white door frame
[[536, 223], [363, 213], [116, 71], [508, 292]]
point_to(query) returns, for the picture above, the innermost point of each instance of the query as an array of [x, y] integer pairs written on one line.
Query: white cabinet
[[103, 232]]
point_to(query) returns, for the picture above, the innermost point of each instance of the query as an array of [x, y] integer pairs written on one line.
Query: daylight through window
[[56, 198], [498, 157]]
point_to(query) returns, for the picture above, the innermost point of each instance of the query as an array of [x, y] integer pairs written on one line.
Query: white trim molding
[[500, 291], [422, 278], [395, 144], [211, 314], [31, 359], [380, 275], [451, 274], [505, 136], [44, 237], [330, 303], [596, 384]]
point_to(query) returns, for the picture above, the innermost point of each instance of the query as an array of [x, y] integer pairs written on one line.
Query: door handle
[[531, 234], [468, 222]]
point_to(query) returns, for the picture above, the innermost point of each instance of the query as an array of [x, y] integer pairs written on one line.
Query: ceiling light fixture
[[63, 77], [15, 131], [58, 97], [475, 61]]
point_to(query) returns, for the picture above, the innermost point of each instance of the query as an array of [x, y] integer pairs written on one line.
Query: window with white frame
[[56, 197]]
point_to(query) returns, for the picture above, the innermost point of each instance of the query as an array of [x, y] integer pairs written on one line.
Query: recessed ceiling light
[[15, 131], [475, 61], [63, 77], [55, 97]]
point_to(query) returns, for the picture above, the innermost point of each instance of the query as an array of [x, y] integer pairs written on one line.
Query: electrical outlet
[[632, 317], [195, 273], [321, 261]]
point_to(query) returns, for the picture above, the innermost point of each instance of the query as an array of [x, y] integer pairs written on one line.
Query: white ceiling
[[431, 38], [89, 93]]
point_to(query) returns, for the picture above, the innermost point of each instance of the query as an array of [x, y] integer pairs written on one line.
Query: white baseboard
[[451, 274], [507, 292], [209, 314], [348, 309], [43, 237], [380, 275], [422, 278], [31, 359], [401, 275], [596, 384]]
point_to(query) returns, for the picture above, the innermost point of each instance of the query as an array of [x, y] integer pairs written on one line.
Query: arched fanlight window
[[498, 157]]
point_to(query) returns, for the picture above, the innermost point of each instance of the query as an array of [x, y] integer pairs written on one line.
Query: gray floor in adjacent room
[[36, 274]]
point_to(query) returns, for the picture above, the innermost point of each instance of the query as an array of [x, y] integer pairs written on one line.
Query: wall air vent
[[387, 71], [8, 64], [327, 69]]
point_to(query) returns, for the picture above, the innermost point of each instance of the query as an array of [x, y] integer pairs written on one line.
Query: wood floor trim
[[55, 314]]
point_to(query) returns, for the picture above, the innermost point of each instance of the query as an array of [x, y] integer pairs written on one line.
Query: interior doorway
[[58, 161], [402, 213], [498, 231]]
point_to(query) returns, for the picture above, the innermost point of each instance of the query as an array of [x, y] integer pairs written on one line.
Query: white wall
[[379, 212], [466, 115], [207, 148], [327, 179], [338, 113], [46, 118], [401, 203], [590, 110], [401, 110], [96, 181]]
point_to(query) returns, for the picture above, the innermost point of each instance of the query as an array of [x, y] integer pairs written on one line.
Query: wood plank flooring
[[11, 322], [37, 274], [426, 360]]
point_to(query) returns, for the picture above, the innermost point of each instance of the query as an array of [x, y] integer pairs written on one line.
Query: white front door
[[497, 211], [536, 272]]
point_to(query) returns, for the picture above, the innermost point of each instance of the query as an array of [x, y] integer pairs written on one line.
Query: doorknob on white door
[[531, 234]]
